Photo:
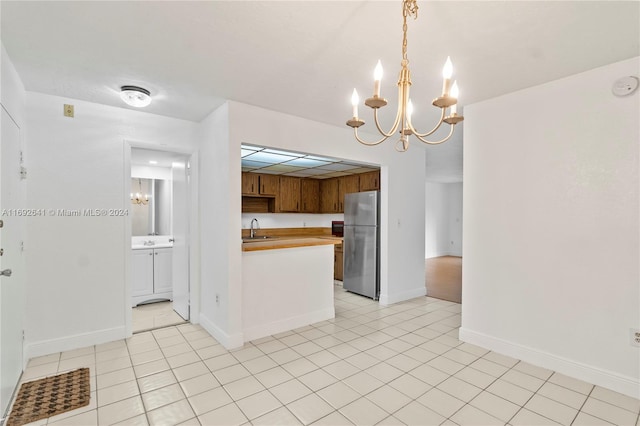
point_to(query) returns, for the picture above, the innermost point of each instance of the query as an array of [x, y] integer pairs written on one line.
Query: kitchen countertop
[[274, 243]]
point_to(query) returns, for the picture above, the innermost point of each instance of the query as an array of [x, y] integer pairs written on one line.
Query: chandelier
[[138, 198], [448, 99]]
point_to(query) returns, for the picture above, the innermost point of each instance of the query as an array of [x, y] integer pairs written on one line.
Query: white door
[[12, 204], [180, 222]]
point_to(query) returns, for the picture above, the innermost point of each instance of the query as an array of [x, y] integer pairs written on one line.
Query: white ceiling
[[305, 57]]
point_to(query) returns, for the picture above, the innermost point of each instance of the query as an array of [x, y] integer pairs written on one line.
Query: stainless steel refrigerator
[[361, 243]]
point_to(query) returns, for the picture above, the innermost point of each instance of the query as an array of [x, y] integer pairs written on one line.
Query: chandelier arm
[[432, 131], [355, 132], [437, 142], [393, 128]]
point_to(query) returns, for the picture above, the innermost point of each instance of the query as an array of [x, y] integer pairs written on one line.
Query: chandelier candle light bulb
[[447, 72], [377, 77], [355, 100], [402, 123]]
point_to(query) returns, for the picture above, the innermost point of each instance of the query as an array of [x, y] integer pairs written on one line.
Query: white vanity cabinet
[[152, 275]]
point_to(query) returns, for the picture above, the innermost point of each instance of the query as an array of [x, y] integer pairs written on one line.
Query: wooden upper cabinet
[[269, 184], [370, 181], [347, 185], [289, 195], [310, 189], [250, 184], [260, 184], [329, 196]]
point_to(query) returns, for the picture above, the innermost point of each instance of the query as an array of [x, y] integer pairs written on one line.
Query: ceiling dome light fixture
[[135, 96], [449, 98]]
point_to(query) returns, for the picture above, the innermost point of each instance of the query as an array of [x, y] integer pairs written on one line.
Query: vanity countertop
[[153, 246]]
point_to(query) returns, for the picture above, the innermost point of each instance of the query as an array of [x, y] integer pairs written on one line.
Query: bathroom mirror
[[150, 207]]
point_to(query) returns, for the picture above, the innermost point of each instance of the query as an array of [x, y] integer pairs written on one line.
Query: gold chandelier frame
[[448, 99]]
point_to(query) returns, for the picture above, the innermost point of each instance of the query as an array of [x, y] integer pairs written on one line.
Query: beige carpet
[[443, 278]]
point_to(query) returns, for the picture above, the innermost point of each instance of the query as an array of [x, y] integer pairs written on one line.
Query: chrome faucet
[[252, 231]]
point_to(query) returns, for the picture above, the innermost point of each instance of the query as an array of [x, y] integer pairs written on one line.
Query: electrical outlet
[[68, 110], [217, 299], [634, 337]]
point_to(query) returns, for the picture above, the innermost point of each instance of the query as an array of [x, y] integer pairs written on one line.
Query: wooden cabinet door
[[162, 270], [250, 184], [370, 181], [289, 194], [142, 280], [310, 196], [329, 196], [269, 185], [348, 185]]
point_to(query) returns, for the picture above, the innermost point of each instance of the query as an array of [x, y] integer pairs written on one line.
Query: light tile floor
[[401, 364], [154, 315]]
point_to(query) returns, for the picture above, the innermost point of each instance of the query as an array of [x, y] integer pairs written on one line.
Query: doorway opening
[[159, 214], [443, 240]]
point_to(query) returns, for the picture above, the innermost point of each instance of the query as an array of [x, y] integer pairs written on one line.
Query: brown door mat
[[50, 396]]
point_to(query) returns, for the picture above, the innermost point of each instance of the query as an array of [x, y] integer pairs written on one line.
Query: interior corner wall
[[402, 192], [76, 263], [443, 219], [551, 227], [220, 234], [12, 92]]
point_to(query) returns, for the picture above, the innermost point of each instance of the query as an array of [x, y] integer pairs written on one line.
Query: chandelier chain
[[410, 8]]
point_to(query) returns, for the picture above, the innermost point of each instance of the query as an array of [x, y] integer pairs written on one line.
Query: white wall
[[290, 220], [443, 217], [221, 286], [402, 228], [150, 172], [455, 218], [77, 265], [551, 227], [403, 176], [12, 93]]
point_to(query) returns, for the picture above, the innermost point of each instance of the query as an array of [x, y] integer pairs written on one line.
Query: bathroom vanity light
[[140, 198], [135, 96]]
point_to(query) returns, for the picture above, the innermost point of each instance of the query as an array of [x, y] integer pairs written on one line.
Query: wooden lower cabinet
[[338, 262]]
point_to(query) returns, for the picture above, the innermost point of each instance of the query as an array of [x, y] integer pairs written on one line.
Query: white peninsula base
[[286, 288]]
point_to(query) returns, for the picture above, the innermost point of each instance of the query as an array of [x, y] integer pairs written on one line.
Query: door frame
[[193, 225]]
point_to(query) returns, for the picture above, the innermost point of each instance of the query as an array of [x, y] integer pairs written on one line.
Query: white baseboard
[[389, 299], [228, 341], [46, 347], [286, 324], [607, 379]]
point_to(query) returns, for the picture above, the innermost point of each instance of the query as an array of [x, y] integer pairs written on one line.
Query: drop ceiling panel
[[287, 163]]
